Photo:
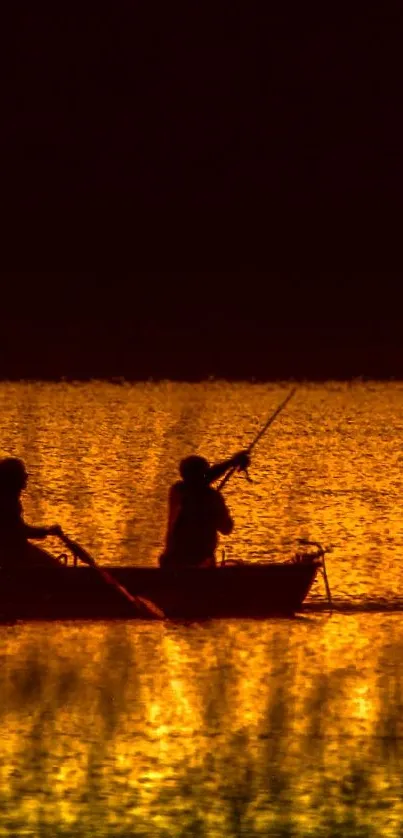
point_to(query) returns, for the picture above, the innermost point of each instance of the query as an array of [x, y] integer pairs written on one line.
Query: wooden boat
[[231, 590]]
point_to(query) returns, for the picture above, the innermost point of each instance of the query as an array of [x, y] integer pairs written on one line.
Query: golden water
[[275, 727]]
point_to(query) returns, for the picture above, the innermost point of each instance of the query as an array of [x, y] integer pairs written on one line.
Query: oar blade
[[142, 604]]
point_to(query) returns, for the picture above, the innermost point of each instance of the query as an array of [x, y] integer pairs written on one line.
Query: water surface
[[274, 727]]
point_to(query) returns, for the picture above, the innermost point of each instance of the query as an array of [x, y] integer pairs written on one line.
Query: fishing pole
[[259, 435]]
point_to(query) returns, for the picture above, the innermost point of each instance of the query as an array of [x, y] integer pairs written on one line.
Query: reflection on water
[[279, 728], [274, 727]]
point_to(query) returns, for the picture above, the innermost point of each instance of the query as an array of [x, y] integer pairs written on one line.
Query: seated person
[[15, 548], [197, 513]]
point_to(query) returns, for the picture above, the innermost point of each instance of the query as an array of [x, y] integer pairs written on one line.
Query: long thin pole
[[271, 419], [327, 586], [138, 602], [260, 434]]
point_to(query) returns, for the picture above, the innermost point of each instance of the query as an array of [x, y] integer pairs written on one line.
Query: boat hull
[[245, 590]]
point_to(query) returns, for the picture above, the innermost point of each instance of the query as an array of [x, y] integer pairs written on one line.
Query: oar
[[139, 602], [259, 434]]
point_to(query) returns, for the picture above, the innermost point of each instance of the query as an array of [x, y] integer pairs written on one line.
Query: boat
[[238, 589]]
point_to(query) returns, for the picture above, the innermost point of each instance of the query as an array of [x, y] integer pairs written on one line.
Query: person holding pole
[[197, 512]]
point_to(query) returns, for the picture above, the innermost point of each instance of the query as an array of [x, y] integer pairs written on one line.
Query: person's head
[[13, 475], [193, 470]]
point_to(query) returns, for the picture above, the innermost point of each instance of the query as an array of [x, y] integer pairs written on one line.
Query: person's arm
[[40, 532], [239, 460], [16, 523]]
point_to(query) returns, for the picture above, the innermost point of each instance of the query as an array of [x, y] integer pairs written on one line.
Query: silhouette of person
[[15, 548], [197, 512]]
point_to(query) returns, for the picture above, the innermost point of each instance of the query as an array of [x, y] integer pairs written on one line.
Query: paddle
[[259, 435], [140, 603]]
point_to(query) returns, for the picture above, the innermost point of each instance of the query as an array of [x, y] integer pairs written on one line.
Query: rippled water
[[275, 727]]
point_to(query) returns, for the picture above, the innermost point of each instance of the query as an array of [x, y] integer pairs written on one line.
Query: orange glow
[[242, 727]]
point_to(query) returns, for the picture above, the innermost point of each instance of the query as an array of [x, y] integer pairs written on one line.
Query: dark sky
[[194, 324], [217, 171], [144, 115]]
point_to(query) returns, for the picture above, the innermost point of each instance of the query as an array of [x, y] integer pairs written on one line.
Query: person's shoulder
[[176, 487]]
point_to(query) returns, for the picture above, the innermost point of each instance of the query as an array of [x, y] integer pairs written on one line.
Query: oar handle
[[77, 550]]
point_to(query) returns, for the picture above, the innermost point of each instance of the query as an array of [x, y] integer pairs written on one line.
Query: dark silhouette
[[197, 512], [15, 548]]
